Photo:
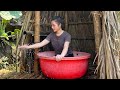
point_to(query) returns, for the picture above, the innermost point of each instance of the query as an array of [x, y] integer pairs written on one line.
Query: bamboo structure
[[77, 23], [100, 35], [36, 40], [27, 26]]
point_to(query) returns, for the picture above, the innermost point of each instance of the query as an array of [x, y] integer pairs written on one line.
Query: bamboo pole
[[21, 39], [97, 29], [36, 40]]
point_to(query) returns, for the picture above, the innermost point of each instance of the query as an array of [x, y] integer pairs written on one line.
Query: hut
[[95, 32], [78, 23]]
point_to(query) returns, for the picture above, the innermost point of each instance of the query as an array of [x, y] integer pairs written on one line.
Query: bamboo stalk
[[36, 40], [22, 37]]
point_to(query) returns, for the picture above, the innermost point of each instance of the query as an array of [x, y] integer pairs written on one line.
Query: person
[[59, 39]]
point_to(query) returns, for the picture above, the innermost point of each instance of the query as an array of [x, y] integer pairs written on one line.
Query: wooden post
[[36, 40], [97, 28]]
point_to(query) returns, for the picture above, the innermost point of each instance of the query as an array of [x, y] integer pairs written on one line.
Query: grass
[[5, 73]]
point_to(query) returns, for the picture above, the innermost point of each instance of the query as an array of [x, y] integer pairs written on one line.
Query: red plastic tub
[[68, 68]]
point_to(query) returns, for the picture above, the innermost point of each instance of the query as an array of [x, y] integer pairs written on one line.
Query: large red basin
[[68, 68]]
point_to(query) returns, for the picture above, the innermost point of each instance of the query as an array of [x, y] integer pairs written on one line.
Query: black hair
[[59, 20]]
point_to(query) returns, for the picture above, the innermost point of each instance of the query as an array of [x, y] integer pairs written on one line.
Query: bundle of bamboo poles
[[108, 55], [25, 39]]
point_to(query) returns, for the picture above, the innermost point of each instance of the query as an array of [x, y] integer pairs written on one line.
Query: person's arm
[[37, 45], [65, 48], [64, 51]]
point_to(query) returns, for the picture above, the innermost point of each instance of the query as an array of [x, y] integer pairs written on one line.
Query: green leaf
[[8, 15], [12, 33], [17, 31], [4, 21], [5, 35], [1, 32]]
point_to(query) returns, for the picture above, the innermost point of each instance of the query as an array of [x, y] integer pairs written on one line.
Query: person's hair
[[59, 20]]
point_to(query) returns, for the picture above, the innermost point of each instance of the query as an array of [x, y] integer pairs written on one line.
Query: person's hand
[[59, 57], [23, 47]]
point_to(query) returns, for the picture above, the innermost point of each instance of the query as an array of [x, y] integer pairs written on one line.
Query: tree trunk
[[36, 40], [97, 29]]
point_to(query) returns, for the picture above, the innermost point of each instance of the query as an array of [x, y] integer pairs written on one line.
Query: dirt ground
[[4, 73], [90, 72]]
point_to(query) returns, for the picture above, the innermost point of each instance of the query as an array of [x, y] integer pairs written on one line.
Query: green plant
[[3, 62], [3, 25], [4, 37], [6, 17]]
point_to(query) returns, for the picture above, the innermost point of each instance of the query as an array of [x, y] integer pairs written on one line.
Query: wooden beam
[[36, 40]]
